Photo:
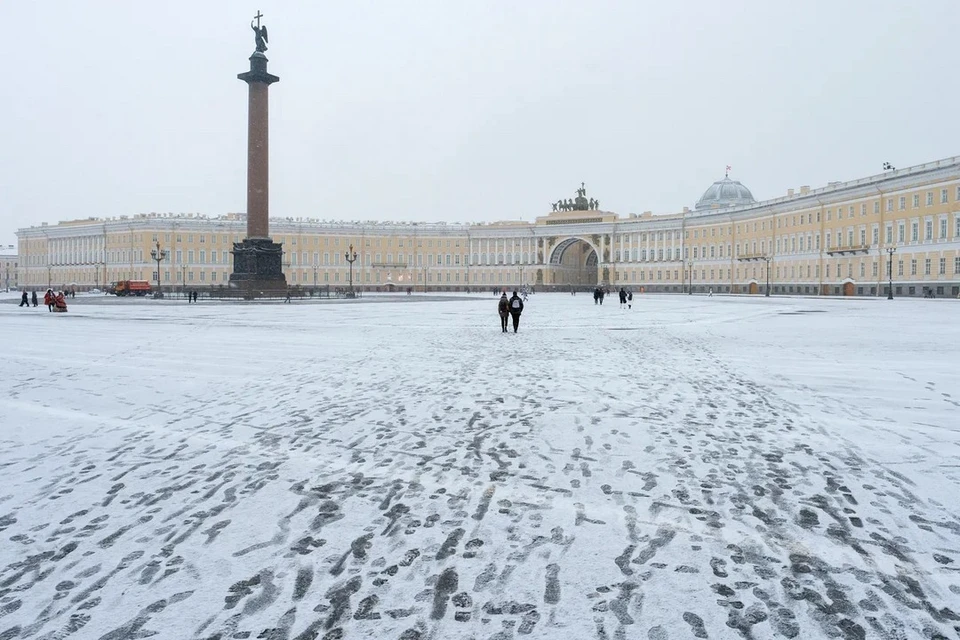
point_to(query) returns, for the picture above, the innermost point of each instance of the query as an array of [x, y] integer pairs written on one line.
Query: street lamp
[[766, 259], [316, 268], [424, 278], [690, 292], [890, 252], [351, 257], [158, 256]]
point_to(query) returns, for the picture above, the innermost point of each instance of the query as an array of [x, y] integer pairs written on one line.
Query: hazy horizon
[[463, 113]]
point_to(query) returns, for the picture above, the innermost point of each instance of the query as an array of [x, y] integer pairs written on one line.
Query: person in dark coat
[[23, 300], [503, 309], [623, 297], [516, 308], [629, 299], [33, 297]]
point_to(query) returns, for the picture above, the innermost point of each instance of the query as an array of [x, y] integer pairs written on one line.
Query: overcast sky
[[464, 111]]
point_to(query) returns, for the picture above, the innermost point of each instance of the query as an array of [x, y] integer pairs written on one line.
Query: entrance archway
[[573, 262], [754, 288], [848, 288]]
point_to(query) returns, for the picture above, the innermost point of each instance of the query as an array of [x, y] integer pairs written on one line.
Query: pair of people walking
[[626, 298], [509, 308], [24, 302]]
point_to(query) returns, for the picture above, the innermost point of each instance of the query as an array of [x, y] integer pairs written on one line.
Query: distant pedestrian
[[710, 293], [623, 296], [287, 299], [629, 299], [503, 308], [33, 297], [49, 299], [516, 308], [23, 300]]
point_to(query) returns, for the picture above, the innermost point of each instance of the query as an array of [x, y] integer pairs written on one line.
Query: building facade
[[847, 238], [9, 267]]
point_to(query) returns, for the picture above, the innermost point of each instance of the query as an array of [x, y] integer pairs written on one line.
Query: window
[[943, 196], [913, 267], [928, 230], [929, 198], [901, 233], [943, 266], [876, 207], [875, 269], [915, 231], [890, 204], [889, 234], [926, 267], [899, 267], [903, 202], [876, 235], [863, 208], [190, 256], [916, 200], [956, 265], [943, 228]]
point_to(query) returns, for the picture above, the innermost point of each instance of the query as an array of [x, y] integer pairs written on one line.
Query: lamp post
[[49, 275], [351, 257], [766, 259], [690, 292], [424, 279], [183, 277], [158, 256], [316, 268], [890, 252]]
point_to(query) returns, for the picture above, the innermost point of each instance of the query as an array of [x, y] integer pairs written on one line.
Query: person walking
[[48, 299], [23, 300], [623, 296], [629, 299], [33, 297], [516, 308], [503, 308]]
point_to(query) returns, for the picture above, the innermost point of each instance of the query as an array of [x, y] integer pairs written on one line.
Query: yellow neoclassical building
[[846, 238]]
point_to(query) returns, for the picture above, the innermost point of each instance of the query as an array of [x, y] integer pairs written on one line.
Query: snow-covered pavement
[[694, 467]]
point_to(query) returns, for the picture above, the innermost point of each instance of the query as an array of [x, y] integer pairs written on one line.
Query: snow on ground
[[695, 467]]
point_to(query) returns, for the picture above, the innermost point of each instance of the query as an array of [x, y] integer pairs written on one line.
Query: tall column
[[258, 261]]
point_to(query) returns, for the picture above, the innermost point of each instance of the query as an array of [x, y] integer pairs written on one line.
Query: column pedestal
[[258, 268]]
